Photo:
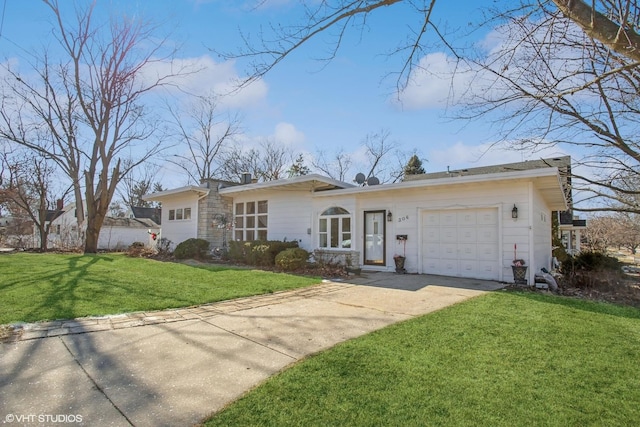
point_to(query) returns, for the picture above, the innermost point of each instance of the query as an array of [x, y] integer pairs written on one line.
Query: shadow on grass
[[62, 295], [581, 304]]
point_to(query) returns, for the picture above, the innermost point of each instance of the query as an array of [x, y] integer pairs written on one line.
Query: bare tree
[[137, 183], [379, 147], [568, 76], [335, 167], [619, 230], [86, 112], [612, 23], [28, 191], [268, 162], [205, 132], [550, 80]]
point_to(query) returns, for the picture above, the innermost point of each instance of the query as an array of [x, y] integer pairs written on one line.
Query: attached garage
[[461, 243]]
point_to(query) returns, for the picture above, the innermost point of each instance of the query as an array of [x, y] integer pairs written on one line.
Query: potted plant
[[519, 268], [399, 260]]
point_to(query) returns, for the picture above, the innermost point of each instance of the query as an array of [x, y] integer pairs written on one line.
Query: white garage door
[[462, 243]]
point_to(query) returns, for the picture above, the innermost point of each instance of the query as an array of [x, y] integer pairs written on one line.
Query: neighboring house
[[466, 223], [138, 212], [570, 230], [115, 234], [120, 233]]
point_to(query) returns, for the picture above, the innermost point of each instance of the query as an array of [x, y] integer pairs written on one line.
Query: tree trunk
[[44, 236], [91, 238]]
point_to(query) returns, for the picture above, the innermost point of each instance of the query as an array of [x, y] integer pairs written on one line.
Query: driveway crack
[[95, 384]]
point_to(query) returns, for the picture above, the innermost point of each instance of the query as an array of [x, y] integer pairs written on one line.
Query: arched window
[[334, 229]]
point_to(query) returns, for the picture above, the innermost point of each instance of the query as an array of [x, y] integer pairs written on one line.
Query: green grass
[[503, 359], [52, 286]]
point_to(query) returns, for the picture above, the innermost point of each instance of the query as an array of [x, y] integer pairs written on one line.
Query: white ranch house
[[464, 223]]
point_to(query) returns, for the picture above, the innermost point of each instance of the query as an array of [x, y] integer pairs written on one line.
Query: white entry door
[[461, 243], [374, 232]]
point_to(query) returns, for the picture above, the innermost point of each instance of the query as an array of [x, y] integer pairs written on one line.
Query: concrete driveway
[[176, 367]]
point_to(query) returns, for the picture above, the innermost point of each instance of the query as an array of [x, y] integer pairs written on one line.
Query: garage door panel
[[466, 218], [449, 268], [431, 219], [431, 267], [467, 252], [467, 235], [487, 270], [461, 242], [431, 235], [487, 251], [488, 217], [448, 251], [468, 268], [487, 234], [449, 219], [448, 235]]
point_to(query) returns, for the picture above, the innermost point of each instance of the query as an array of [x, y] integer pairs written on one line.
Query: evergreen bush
[[292, 259], [192, 248]]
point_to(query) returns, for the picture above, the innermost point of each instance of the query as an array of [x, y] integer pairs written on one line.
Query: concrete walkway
[[176, 367]]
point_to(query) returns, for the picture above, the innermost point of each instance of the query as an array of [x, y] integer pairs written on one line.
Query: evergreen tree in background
[[414, 166]]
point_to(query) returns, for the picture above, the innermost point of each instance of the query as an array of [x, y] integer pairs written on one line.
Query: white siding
[[542, 236], [118, 238], [288, 217], [180, 230], [406, 206]]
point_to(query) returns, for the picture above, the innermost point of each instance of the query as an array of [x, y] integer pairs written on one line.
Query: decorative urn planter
[[399, 260], [519, 272]]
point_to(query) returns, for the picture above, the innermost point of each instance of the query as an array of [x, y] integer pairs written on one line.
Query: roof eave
[[181, 190], [312, 182]]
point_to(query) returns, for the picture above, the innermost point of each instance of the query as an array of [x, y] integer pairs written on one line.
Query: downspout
[[532, 249]]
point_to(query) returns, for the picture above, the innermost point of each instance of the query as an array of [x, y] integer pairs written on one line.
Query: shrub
[[192, 248], [591, 261], [164, 246], [139, 249], [262, 253], [292, 259]]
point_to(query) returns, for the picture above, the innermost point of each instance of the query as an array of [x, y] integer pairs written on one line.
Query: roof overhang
[[546, 180], [311, 183], [188, 190]]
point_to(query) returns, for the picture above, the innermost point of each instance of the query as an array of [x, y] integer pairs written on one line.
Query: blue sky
[[303, 103]]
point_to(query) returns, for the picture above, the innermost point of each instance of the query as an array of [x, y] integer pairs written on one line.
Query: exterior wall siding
[[120, 238], [288, 216], [406, 207], [180, 230]]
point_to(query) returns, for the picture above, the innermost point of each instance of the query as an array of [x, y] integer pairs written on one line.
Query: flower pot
[[519, 274], [399, 260]]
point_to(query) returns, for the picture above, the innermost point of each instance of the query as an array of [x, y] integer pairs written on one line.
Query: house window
[[334, 229], [179, 214], [251, 219]]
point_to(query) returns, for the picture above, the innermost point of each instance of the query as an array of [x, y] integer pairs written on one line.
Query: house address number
[[403, 218]]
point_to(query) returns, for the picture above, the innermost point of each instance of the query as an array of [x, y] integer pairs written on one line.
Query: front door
[[374, 231]]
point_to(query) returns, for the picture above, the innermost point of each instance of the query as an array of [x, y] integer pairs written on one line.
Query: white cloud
[[287, 134], [435, 82], [203, 75]]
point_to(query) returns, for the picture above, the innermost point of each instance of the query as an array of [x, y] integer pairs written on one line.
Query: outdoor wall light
[[389, 216], [514, 212]]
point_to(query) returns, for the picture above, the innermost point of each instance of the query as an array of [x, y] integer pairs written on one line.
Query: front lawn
[[53, 286], [502, 359]]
